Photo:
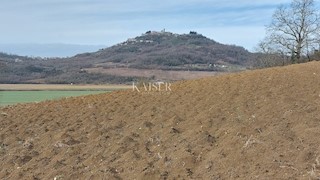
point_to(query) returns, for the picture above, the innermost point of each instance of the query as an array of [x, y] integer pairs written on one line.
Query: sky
[[108, 22]]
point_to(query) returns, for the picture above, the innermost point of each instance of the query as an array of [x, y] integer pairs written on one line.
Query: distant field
[[33, 87], [158, 74], [15, 97], [22, 93]]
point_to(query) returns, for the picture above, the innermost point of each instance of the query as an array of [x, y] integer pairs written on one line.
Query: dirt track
[[261, 124]]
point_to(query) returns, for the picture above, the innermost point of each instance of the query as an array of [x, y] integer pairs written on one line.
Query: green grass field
[[14, 97]]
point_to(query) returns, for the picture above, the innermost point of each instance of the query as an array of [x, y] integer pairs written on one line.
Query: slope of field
[[260, 124]]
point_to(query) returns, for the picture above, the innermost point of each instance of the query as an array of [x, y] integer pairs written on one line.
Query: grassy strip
[[61, 87], [15, 97]]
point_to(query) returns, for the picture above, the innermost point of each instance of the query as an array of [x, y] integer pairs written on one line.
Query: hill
[[153, 55], [165, 50], [261, 124], [15, 68]]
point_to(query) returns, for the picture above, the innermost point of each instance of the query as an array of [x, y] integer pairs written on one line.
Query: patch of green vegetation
[[15, 97]]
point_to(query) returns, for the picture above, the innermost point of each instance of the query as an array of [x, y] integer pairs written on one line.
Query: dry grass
[[158, 74]]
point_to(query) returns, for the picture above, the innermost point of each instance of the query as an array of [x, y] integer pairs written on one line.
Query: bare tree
[[294, 30]]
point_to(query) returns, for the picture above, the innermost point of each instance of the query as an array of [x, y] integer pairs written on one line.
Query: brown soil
[[262, 124]]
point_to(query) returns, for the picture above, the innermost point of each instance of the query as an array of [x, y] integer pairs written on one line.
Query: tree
[[294, 30]]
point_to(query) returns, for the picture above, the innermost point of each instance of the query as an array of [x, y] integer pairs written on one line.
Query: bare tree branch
[[294, 29]]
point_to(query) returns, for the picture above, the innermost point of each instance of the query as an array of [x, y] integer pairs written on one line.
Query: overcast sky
[[107, 22]]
